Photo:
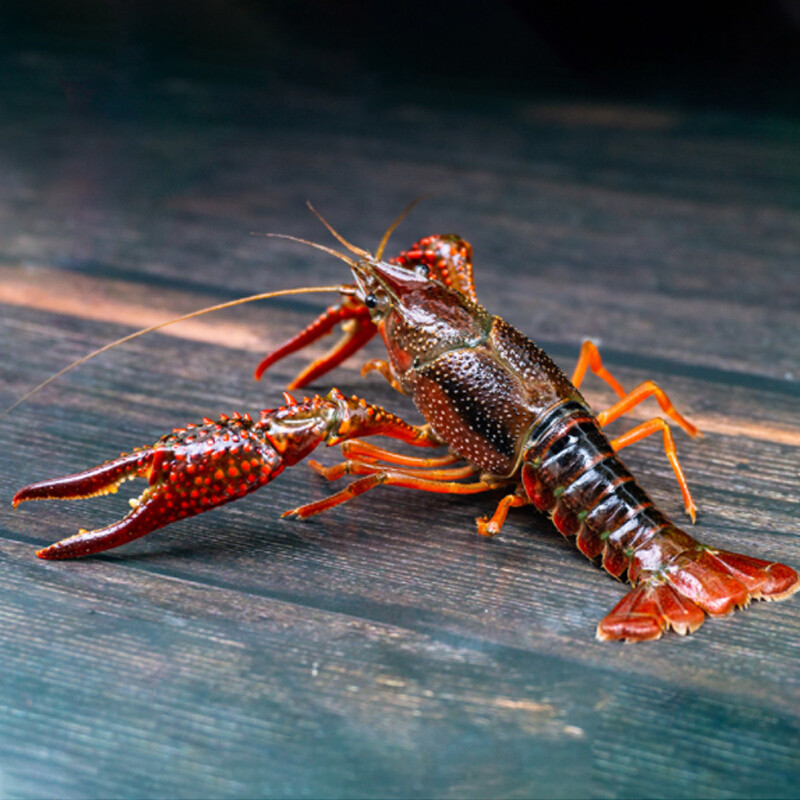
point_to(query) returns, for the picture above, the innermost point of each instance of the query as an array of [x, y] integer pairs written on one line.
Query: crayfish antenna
[[347, 260], [400, 217], [360, 252], [230, 304]]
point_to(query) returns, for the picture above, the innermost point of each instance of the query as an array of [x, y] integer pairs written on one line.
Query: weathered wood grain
[[385, 649]]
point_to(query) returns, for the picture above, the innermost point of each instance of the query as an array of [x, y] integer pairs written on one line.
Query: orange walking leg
[[490, 526], [653, 426], [382, 367], [390, 477], [636, 396], [590, 358], [357, 467], [359, 450]]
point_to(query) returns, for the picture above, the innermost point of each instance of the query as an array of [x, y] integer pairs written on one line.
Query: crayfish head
[[419, 317], [383, 286]]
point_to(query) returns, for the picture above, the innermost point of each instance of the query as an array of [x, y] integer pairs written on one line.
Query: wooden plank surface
[[385, 649]]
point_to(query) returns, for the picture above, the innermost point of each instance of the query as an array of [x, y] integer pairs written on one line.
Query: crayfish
[[511, 419]]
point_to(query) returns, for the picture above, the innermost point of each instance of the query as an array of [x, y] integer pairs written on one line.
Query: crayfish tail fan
[[705, 581], [647, 611]]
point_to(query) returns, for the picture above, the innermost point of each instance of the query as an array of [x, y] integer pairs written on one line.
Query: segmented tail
[[571, 471]]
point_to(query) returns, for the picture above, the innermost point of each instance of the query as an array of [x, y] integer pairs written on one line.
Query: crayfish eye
[[422, 270], [370, 301]]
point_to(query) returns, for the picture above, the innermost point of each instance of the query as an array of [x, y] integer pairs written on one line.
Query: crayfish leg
[[491, 526], [626, 403], [356, 449], [646, 429], [440, 481], [381, 366], [638, 395], [589, 358]]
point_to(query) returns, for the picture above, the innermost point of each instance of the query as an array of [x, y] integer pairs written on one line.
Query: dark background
[[711, 55]]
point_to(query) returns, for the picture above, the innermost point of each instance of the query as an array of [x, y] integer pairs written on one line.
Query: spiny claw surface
[[197, 468], [188, 471]]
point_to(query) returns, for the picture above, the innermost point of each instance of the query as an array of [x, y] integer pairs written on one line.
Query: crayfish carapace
[[512, 420]]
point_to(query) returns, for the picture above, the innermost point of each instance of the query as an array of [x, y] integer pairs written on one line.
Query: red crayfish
[[511, 418]]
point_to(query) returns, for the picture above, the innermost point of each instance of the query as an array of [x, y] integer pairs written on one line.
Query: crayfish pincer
[[200, 467], [511, 419]]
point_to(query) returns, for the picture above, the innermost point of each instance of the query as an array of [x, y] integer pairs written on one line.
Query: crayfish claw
[[188, 471], [100, 480], [139, 522], [200, 467], [357, 329]]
